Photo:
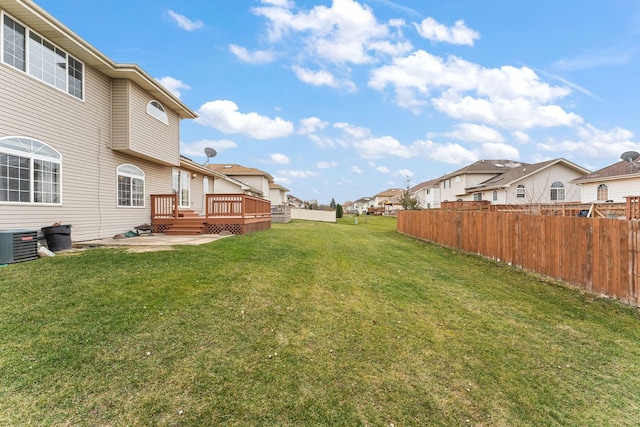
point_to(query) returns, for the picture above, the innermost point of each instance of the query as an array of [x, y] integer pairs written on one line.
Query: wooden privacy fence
[[599, 255]]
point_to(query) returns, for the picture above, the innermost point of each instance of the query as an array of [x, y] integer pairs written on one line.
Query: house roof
[[294, 199], [234, 169], [36, 18], [434, 183], [484, 167], [189, 164], [620, 170], [275, 186], [391, 192], [516, 174], [363, 200]]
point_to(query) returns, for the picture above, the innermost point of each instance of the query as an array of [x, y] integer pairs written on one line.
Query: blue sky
[[344, 99]]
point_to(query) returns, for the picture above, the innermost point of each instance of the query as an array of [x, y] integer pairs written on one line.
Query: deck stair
[[188, 223]]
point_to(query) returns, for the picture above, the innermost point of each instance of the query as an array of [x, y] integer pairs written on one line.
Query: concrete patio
[[145, 242]]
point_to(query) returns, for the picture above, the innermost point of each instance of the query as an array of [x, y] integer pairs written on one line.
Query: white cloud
[[376, 148], [322, 141], [474, 133], [454, 154], [279, 3], [184, 22], [520, 136], [497, 150], [345, 32], [514, 98], [405, 173], [460, 34], [224, 116], [254, 57], [296, 174], [321, 78], [174, 86], [595, 143], [356, 169], [383, 169], [280, 159], [196, 148], [311, 125], [326, 165]]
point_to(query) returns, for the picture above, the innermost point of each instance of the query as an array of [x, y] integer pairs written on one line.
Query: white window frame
[[132, 172], [557, 192], [521, 191], [157, 111], [602, 190], [495, 195], [477, 197], [34, 151], [71, 62]]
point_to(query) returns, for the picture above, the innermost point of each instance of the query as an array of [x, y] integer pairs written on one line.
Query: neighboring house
[[84, 140], [253, 177], [361, 205], [278, 194], [295, 202], [612, 183], [428, 193], [389, 200], [550, 181], [453, 186]]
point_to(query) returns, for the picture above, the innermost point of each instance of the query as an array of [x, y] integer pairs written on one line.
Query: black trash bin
[[58, 237]]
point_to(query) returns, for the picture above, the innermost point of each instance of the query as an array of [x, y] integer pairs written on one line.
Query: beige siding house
[[509, 182], [611, 183], [428, 193], [84, 141], [546, 182], [255, 178], [278, 194]]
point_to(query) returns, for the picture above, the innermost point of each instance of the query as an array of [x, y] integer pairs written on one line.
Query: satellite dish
[[209, 152], [630, 156]]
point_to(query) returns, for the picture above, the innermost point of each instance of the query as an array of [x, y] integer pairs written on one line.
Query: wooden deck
[[231, 213]]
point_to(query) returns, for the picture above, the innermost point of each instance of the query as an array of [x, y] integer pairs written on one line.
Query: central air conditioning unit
[[18, 245]]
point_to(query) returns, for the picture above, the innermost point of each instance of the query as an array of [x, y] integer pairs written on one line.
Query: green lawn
[[309, 324]]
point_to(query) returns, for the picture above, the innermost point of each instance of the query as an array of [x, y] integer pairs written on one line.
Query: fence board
[[599, 255]]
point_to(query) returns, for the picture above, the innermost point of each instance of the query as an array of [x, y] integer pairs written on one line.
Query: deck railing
[[164, 206], [633, 207], [236, 206]]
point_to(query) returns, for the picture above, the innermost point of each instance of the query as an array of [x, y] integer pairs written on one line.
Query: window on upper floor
[[29, 52], [557, 191], [130, 186], [520, 191], [602, 193], [155, 109], [30, 172]]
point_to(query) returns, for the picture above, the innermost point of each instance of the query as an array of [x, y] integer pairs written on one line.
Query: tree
[[339, 212], [407, 200], [332, 205]]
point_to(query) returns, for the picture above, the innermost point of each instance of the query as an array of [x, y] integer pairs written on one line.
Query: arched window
[[155, 109], [495, 195], [130, 186], [30, 171], [602, 192], [557, 191], [520, 191]]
